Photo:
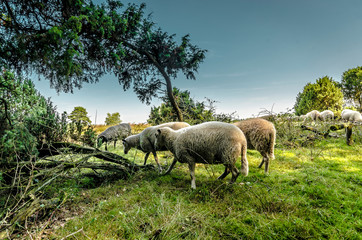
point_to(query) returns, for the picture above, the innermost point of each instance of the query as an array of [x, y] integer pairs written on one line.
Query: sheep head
[[126, 146]]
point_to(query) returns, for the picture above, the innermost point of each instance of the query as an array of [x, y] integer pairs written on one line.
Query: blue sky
[[261, 53]]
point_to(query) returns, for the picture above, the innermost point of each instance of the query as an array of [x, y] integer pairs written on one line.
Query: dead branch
[[347, 126]]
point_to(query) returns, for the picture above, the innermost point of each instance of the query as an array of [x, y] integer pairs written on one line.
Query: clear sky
[[261, 53]]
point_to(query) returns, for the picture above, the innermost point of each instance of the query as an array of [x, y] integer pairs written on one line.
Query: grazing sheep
[[327, 115], [145, 140], [208, 143], [260, 135], [314, 115], [302, 117], [114, 133], [352, 116]]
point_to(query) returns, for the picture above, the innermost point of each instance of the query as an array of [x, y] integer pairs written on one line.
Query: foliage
[[33, 120], [351, 85], [89, 136], [79, 121], [322, 95], [79, 114], [193, 111], [75, 41], [113, 119]]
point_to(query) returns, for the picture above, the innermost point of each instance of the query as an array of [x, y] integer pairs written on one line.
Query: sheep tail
[[244, 161]]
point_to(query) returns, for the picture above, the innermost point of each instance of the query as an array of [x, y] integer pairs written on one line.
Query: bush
[[32, 119]]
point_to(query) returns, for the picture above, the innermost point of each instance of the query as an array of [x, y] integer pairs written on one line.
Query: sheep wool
[[260, 135], [145, 141], [207, 143], [327, 115], [114, 133], [314, 115], [351, 115]]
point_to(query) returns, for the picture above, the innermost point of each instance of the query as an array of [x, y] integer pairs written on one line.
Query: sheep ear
[[124, 140]]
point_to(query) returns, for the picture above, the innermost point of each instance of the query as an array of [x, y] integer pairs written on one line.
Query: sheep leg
[[156, 159], [226, 172], [106, 146], [146, 157], [192, 174], [235, 173], [244, 162], [171, 167], [115, 142], [261, 164], [266, 160]]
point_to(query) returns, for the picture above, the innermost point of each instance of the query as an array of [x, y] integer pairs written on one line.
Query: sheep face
[[126, 146]]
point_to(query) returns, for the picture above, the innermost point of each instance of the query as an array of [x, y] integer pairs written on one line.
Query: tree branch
[[11, 15]]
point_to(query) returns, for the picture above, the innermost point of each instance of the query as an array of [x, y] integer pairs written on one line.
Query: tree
[[79, 121], [70, 42], [27, 114], [113, 119], [351, 85], [79, 114], [322, 95], [193, 111]]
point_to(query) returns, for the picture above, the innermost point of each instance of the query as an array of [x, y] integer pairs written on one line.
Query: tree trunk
[[172, 98], [349, 139], [169, 89]]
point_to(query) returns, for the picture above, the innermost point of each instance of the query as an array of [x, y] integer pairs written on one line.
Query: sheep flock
[[212, 142]]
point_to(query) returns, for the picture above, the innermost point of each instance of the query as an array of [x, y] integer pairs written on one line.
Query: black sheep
[[114, 133]]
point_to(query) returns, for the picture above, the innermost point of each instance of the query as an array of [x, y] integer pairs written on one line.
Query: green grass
[[310, 193]]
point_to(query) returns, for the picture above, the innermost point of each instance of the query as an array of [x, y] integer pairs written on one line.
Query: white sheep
[[326, 115], [352, 116], [302, 117], [145, 141], [260, 135], [314, 115], [208, 143]]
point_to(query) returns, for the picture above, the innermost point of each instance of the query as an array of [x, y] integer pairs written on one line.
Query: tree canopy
[[351, 85], [79, 114], [322, 95], [113, 119], [70, 42]]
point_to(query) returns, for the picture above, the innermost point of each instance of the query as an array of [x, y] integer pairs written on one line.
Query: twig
[[72, 234]]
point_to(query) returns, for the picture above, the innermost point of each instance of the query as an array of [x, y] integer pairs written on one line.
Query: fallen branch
[[347, 126], [56, 161]]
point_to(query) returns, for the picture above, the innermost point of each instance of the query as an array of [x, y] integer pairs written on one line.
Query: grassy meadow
[[313, 191]]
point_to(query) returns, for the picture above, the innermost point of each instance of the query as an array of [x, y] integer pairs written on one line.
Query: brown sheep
[[260, 135]]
